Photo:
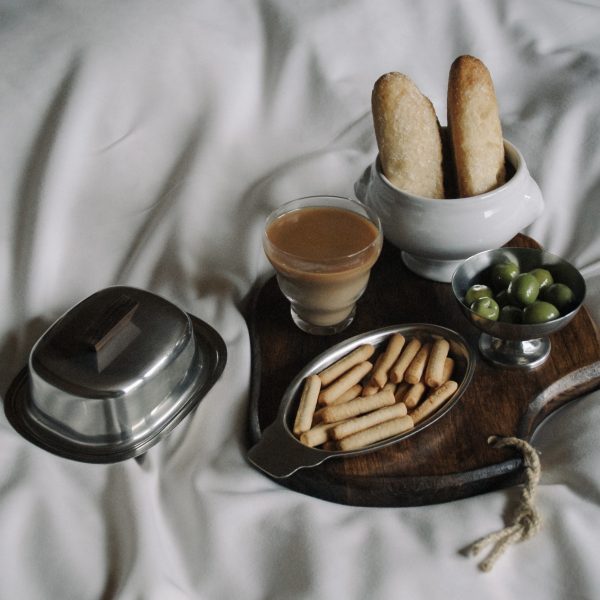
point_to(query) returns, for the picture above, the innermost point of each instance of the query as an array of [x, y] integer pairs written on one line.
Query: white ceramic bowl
[[435, 236]]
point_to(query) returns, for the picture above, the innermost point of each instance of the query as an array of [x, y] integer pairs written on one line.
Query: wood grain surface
[[451, 459]]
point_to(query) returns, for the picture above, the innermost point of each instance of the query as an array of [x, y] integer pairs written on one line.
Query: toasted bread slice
[[408, 136], [475, 129]]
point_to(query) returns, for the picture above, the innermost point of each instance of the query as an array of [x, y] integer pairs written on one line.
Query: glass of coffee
[[322, 249]]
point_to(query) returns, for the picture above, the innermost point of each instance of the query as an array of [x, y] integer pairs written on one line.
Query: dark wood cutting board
[[451, 459]]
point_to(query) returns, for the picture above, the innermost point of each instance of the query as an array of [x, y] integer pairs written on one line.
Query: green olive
[[540, 312], [511, 314], [524, 289], [502, 274], [486, 307], [561, 296], [503, 298], [477, 291], [543, 276]]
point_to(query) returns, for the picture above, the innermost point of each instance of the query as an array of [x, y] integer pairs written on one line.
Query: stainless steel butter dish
[[114, 375]]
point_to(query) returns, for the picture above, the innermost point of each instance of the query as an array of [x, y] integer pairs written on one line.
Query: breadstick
[[353, 392], [390, 386], [351, 426], [369, 390], [414, 371], [317, 435], [308, 403], [358, 406], [358, 355], [405, 358], [475, 128], [345, 382], [408, 136], [376, 433], [414, 394], [434, 400], [448, 369], [401, 390], [434, 371], [372, 387], [317, 417], [387, 359]]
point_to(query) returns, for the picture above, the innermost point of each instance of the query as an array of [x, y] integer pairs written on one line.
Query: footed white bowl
[[435, 236]]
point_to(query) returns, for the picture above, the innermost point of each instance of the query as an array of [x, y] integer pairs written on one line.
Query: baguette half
[[474, 126], [408, 136]]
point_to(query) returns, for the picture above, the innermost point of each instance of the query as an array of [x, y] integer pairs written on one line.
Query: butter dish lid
[[113, 375]]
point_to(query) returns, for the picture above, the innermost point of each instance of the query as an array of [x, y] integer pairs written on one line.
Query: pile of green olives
[[514, 297]]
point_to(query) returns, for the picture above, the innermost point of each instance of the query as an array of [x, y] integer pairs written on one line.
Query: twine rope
[[526, 521]]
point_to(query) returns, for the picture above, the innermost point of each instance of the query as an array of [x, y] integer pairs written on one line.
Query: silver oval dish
[[280, 454], [114, 375]]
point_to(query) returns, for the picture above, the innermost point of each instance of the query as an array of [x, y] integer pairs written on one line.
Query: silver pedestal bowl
[[510, 344]]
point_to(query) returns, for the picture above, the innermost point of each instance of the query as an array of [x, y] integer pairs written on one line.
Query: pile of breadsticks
[[418, 157], [356, 402]]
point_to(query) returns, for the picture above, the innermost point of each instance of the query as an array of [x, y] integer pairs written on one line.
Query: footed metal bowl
[[512, 344]]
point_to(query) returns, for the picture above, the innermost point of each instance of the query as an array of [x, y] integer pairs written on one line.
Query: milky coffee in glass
[[322, 249]]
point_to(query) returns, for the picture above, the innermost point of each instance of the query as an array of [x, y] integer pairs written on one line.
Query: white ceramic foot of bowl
[[430, 268]]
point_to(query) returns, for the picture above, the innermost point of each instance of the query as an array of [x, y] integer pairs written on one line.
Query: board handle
[[577, 383]]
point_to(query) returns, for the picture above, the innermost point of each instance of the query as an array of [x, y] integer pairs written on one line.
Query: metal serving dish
[[280, 454], [113, 375]]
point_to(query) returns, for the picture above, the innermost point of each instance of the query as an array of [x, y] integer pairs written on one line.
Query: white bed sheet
[[143, 143]]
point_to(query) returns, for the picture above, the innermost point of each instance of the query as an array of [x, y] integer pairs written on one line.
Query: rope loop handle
[[526, 520]]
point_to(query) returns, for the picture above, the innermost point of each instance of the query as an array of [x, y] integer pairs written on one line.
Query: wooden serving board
[[451, 459]]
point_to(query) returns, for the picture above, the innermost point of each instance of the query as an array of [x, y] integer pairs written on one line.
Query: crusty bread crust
[[408, 136], [475, 129]]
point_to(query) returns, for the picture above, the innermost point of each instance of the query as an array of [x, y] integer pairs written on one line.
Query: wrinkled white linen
[[143, 143]]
